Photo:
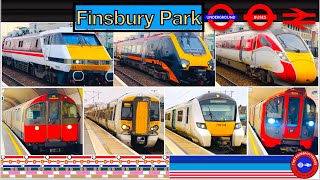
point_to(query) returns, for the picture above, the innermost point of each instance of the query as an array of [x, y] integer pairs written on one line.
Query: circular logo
[[213, 9], [304, 164], [269, 16]]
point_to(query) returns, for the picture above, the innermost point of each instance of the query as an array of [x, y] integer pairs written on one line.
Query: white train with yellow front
[[59, 56], [133, 118], [209, 119]]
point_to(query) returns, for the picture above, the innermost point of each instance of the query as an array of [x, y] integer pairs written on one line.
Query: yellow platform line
[[253, 144], [97, 145], [173, 147], [14, 142]]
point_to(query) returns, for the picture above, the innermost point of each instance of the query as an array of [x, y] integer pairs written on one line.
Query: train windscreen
[[69, 113], [309, 119], [292, 42], [36, 114], [191, 44], [154, 111], [274, 117], [218, 110], [81, 39]]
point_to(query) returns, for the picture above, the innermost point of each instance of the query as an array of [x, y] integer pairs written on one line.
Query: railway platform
[[177, 145], [10, 144], [255, 147], [100, 142], [118, 82]]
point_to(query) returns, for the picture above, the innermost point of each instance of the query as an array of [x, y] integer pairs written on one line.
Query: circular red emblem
[[304, 164], [213, 9], [250, 17]]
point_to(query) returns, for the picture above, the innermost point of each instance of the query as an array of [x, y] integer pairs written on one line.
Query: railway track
[[227, 76], [224, 81], [20, 78], [134, 77], [10, 81], [130, 81]]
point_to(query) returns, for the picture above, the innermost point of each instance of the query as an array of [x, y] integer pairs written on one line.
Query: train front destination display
[[159, 90]]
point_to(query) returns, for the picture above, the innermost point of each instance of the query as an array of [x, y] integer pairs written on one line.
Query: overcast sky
[[109, 94], [175, 95]]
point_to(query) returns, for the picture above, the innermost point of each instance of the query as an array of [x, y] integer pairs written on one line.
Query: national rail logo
[[304, 164]]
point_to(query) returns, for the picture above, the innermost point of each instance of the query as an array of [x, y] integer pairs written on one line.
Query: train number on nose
[[221, 125]]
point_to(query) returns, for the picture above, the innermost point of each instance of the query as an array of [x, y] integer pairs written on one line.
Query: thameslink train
[[275, 56], [59, 56], [181, 58], [49, 122], [211, 119], [285, 121], [133, 118]]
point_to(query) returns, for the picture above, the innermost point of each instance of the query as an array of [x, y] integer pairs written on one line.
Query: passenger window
[[180, 115]]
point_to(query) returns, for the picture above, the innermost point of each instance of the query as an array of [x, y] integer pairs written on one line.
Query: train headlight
[[271, 121], [184, 63], [283, 56], [154, 128], [237, 126], [36, 128], [311, 123], [201, 125], [69, 127], [77, 61], [211, 64], [125, 127]]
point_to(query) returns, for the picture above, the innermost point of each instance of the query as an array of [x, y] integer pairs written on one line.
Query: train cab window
[[275, 111], [180, 115], [293, 111], [126, 111], [292, 43], [36, 114], [264, 42], [69, 113], [218, 110], [154, 111], [190, 44], [81, 39]]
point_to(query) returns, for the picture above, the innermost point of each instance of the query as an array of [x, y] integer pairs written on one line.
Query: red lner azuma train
[[48, 122], [286, 120], [274, 56]]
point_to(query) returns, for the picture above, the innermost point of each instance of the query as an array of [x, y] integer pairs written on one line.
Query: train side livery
[[286, 121], [181, 58], [49, 122], [133, 118], [59, 56], [211, 119], [272, 56]]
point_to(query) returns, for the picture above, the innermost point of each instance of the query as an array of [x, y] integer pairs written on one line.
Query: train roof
[[214, 94], [59, 30], [191, 34], [204, 97]]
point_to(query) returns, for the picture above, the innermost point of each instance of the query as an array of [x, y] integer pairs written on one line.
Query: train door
[[242, 45], [293, 117], [253, 53], [141, 115], [173, 119], [54, 121], [143, 54], [114, 109], [187, 127], [46, 46]]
